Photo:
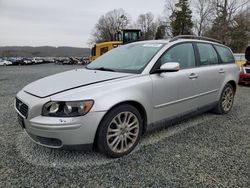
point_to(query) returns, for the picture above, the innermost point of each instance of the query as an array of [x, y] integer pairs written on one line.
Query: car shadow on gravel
[[70, 158]]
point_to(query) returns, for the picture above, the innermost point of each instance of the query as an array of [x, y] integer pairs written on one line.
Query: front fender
[[139, 91]]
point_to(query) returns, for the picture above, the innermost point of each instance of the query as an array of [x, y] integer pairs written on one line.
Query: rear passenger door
[[211, 74]]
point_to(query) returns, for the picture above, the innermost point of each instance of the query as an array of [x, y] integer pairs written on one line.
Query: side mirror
[[170, 67]]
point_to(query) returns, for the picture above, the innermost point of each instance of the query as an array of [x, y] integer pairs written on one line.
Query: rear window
[[225, 54]]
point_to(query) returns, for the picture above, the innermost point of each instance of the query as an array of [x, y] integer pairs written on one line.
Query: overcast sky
[[61, 22]]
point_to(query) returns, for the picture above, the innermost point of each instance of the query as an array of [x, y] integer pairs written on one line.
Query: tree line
[[225, 20]]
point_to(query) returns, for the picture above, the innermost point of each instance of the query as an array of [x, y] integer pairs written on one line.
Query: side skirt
[[179, 118]]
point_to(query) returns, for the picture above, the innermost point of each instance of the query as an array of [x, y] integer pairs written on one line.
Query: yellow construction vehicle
[[240, 58], [122, 37]]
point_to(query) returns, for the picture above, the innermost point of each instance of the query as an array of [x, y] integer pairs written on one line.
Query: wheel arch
[[230, 81], [135, 104], [233, 84]]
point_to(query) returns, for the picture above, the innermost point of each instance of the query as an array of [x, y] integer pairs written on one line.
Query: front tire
[[225, 104], [119, 131]]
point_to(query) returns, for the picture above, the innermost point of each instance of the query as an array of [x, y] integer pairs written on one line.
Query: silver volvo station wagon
[[114, 100]]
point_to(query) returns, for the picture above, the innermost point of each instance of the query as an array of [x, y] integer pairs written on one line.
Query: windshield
[[130, 58]]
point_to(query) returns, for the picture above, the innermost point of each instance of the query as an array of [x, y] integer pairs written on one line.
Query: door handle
[[221, 71], [193, 76]]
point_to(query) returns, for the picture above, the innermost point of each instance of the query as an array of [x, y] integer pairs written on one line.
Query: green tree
[[240, 33], [231, 23], [181, 19], [161, 32], [221, 24]]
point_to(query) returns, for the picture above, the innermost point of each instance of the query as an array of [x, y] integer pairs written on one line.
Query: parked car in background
[[128, 91], [245, 68], [5, 62], [75, 61], [49, 60], [245, 74], [60, 60], [85, 60], [69, 61], [16, 60], [26, 61], [240, 58], [36, 60]]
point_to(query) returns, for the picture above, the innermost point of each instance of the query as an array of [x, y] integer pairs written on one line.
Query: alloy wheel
[[123, 132], [227, 99]]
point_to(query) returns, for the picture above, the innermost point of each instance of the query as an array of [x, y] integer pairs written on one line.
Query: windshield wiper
[[104, 69]]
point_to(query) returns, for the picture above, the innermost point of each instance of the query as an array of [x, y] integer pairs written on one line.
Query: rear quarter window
[[225, 54]]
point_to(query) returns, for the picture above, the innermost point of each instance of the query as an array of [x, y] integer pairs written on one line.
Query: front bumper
[[244, 78], [57, 132]]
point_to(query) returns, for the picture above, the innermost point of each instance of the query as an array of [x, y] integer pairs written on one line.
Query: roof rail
[[194, 37]]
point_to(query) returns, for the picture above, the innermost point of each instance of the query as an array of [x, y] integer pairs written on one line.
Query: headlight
[[67, 109]]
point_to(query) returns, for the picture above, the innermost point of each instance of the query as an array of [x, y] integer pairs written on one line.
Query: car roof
[[187, 38]]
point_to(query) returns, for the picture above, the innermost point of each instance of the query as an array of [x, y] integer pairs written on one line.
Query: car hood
[[65, 81]]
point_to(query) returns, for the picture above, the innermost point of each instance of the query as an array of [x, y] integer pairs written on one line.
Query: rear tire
[[225, 104], [119, 131]]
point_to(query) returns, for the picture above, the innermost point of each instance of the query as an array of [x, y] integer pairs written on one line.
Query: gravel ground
[[205, 151]]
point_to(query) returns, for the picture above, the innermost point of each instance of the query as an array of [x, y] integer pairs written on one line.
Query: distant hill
[[43, 51]]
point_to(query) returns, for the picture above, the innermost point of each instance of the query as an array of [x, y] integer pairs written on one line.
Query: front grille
[[247, 71], [22, 108]]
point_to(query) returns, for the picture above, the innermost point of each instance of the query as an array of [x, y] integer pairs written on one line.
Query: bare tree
[[108, 25], [168, 11], [229, 24], [147, 25], [227, 9], [203, 12], [225, 13], [169, 6]]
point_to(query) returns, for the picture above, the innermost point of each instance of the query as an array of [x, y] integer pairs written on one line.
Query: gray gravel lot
[[206, 151]]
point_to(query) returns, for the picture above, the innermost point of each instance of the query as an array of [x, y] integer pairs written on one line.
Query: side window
[[225, 54], [208, 55], [182, 53]]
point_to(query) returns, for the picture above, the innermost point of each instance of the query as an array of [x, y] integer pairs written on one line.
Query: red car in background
[[245, 75], [245, 69]]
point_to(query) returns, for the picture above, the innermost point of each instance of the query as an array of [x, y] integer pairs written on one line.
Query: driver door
[[174, 93]]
